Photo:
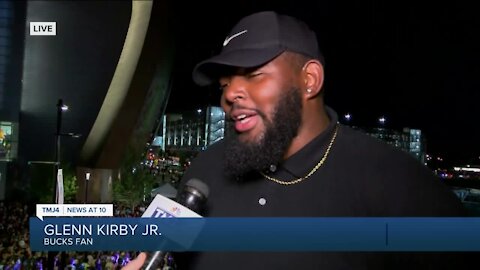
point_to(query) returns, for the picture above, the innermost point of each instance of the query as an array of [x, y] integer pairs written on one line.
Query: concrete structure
[[110, 61]]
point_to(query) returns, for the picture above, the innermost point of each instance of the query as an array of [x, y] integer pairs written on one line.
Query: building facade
[[191, 131], [194, 131]]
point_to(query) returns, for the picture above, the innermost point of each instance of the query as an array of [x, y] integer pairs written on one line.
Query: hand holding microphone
[[136, 263], [193, 196]]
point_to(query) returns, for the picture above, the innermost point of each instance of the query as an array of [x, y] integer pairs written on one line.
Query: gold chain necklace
[[319, 164]]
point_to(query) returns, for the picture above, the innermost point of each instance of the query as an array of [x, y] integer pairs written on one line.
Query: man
[[289, 157]]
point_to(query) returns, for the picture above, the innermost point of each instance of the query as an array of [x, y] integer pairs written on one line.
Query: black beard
[[244, 158]]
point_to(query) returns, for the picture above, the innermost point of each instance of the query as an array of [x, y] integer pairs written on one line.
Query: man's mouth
[[244, 123], [245, 120]]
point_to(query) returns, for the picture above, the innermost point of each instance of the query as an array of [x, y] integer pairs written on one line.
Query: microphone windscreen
[[198, 185]]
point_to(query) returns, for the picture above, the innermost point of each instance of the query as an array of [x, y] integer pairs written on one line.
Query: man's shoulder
[[212, 152], [406, 186], [374, 157], [210, 157], [370, 148], [360, 138], [208, 164]]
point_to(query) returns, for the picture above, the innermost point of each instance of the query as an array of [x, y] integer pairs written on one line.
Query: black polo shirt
[[361, 177]]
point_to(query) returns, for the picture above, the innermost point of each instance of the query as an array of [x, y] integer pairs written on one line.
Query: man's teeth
[[241, 117]]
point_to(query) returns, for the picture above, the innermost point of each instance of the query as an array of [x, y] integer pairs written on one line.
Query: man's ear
[[312, 73]]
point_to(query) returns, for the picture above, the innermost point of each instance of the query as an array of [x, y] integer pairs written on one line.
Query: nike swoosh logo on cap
[[228, 39]]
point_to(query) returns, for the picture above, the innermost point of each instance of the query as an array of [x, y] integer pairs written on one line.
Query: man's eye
[[223, 86], [253, 74]]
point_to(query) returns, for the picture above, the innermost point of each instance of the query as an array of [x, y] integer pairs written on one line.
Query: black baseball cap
[[256, 40]]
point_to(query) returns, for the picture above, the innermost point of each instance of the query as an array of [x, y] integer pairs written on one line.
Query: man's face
[[264, 109]]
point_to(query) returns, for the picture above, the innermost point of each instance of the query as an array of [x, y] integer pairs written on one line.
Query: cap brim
[[208, 71]]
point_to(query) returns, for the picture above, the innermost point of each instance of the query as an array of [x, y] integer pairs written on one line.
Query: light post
[[87, 178], [61, 107]]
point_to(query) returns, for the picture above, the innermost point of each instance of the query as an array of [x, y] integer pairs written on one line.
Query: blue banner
[[255, 234]]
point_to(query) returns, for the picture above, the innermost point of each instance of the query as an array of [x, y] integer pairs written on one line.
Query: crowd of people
[[17, 255], [14, 237]]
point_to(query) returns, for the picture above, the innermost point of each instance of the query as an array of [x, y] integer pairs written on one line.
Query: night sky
[[416, 64]]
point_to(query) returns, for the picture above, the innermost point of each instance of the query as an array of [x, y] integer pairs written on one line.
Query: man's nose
[[236, 89]]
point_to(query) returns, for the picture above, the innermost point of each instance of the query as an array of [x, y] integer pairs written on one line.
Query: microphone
[[193, 195]]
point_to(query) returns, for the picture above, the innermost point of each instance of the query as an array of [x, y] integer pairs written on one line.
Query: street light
[[382, 120], [87, 178], [348, 117], [61, 107]]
